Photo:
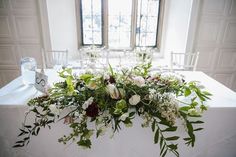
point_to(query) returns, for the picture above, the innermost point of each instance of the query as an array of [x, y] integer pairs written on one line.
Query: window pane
[[92, 21], [87, 36], [147, 19], [119, 23]]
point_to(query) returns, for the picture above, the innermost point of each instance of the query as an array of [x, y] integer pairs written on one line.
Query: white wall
[[62, 24], [177, 20], [20, 36], [175, 28], [215, 39]]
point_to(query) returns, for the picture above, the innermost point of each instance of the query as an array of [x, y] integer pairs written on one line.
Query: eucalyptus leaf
[[153, 125], [187, 92], [156, 137], [198, 129], [196, 122], [173, 138], [174, 128], [164, 154]]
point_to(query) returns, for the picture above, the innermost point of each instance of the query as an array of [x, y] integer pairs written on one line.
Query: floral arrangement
[[111, 99]]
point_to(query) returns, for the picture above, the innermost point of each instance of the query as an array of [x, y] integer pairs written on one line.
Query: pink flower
[[139, 81]]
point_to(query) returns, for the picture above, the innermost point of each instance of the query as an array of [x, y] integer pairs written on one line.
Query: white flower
[[87, 103], [134, 100], [164, 114], [113, 91], [82, 116], [122, 92], [105, 113], [53, 108], [172, 77], [141, 110], [124, 116], [41, 111], [31, 108], [152, 93], [76, 114], [139, 81], [82, 89], [193, 112]]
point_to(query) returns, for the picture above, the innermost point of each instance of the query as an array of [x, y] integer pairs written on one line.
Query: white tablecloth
[[218, 139]]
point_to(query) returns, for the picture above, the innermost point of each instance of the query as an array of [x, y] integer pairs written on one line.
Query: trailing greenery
[[112, 98]]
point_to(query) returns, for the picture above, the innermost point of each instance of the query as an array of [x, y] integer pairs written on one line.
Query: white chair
[[57, 58], [184, 61]]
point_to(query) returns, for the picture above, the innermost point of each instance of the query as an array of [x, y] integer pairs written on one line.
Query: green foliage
[[143, 69], [111, 70], [86, 77], [87, 99]]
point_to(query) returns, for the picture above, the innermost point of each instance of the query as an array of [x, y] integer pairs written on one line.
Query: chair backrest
[[57, 57], [184, 61]]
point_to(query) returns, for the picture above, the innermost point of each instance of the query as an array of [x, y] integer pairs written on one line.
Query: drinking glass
[[28, 68]]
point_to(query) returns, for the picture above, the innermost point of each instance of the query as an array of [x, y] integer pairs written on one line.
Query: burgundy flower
[[111, 80], [92, 110]]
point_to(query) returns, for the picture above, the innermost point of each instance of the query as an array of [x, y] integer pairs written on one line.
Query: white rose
[[134, 100], [124, 116], [139, 81], [113, 91], [53, 108]]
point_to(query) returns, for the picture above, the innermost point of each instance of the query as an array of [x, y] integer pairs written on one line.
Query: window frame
[[81, 26], [133, 33]]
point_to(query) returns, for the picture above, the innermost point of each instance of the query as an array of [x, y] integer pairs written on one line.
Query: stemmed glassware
[[98, 57], [144, 55], [93, 57]]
